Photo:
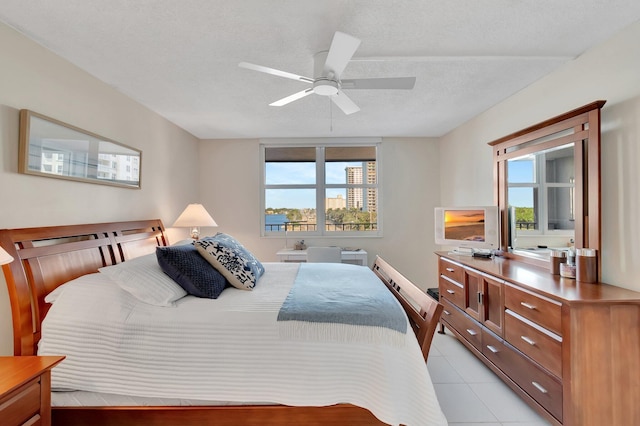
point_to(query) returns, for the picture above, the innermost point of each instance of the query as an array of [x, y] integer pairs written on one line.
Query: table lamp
[[5, 257], [193, 217]]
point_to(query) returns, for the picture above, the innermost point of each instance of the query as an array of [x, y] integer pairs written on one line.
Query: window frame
[[320, 185]]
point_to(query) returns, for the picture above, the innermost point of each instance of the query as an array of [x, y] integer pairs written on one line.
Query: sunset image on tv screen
[[465, 225]]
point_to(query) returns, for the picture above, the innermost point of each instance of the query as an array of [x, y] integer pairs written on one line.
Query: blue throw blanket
[[338, 293]]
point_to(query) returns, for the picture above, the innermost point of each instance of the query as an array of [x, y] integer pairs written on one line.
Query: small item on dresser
[[568, 270], [586, 265], [482, 255], [557, 257]]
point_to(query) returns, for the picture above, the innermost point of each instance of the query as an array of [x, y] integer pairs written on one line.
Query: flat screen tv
[[468, 229]]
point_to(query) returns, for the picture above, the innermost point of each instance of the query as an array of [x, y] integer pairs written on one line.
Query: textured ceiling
[[180, 58]]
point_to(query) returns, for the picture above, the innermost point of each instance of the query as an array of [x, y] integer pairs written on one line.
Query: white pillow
[[83, 280], [53, 296], [144, 279]]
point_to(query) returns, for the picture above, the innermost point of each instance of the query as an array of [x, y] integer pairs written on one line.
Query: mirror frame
[[27, 130], [581, 126]]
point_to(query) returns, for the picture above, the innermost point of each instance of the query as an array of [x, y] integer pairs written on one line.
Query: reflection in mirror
[[51, 148], [541, 200]]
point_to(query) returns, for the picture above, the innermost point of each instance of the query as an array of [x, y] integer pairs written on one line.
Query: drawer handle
[[471, 332], [528, 340], [446, 312], [492, 349], [528, 305], [450, 270], [451, 291], [539, 387]]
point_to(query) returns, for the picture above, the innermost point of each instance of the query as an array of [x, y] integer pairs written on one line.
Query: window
[[321, 190]]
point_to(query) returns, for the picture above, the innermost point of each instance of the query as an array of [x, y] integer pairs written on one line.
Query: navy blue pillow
[[191, 271]]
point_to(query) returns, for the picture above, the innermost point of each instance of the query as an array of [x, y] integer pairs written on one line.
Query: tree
[[294, 215], [525, 215]]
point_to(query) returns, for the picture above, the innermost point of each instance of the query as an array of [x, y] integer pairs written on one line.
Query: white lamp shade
[[194, 215], [5, 257]]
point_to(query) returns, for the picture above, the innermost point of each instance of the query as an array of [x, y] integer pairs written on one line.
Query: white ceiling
[[180, 58]]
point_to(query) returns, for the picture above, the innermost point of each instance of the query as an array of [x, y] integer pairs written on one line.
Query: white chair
[[324, 254]]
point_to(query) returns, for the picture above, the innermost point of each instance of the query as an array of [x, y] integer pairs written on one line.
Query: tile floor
[[469, 393]]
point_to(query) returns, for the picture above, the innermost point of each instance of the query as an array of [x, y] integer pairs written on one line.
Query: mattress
[[229, 349]]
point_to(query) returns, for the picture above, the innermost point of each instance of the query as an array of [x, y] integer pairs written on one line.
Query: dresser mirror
[[541, 194], [547, 185]]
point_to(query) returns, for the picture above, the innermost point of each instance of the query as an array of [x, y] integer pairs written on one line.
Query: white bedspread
[[228, 349]]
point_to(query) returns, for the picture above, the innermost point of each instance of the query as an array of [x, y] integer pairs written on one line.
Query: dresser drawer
[[542, 311], [462, 323], [540, 385], [21, 405], [450, 314], [537, 343], [493, 348], [452, 291], [451, 270]]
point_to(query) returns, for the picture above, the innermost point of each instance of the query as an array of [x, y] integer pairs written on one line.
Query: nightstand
[[25, 389]]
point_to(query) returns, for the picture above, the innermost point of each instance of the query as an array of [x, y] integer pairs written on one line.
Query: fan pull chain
[[330, 115]]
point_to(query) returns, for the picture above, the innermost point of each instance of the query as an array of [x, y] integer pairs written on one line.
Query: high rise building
[[371, 198], [362, 198], [355, 197]]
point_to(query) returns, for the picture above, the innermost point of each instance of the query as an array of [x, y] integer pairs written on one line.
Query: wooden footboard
[[423, 311], [47, 257]]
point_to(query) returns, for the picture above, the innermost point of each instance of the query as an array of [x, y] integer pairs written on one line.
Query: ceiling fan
[[328, 67]]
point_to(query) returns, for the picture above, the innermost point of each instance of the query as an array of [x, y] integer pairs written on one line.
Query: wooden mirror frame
[[581, 126]]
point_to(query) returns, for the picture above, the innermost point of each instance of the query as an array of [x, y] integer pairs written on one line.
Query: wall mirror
[[547, 185], [51, 148]]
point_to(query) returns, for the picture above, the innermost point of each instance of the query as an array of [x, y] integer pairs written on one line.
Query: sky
[[305, 173], [521, 172], [302, 173]]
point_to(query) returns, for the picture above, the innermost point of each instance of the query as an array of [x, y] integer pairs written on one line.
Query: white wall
[[611, 72], [229, 176], [33, 78]]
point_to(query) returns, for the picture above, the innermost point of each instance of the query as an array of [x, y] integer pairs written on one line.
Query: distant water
[[275, 222]]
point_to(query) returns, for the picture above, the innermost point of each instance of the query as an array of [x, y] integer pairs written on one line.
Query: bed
[[46, 258]]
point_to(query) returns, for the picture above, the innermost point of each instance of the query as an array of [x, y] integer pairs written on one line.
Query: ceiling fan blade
[[342, 49], [344, 103], [292, 98], [379, 83], [275, 72]]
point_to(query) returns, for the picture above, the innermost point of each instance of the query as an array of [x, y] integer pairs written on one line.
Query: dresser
[[571, 350], [25, 389]]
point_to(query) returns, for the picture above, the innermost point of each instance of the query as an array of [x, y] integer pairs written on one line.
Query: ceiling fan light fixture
[[328, 66], [325, 87]]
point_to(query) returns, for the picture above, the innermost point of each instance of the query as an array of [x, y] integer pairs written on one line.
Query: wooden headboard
[[45, 258]]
